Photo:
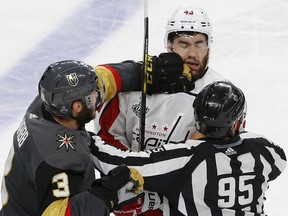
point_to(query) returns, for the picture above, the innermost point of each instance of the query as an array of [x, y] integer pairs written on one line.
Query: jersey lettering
[[22, 133], [149, 69], [160, 149], [159, 138], [152, 201]]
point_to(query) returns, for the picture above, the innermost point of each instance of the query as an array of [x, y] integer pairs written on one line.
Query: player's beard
[[85, 116], [202, 69]]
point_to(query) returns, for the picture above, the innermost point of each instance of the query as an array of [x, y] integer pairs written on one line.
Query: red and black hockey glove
[[147, 204]]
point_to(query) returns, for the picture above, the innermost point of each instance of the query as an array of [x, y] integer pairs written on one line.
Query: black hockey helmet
[[217, 108], [64, 82]]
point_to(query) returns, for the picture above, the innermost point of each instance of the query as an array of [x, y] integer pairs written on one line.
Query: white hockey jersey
[[169, 117]]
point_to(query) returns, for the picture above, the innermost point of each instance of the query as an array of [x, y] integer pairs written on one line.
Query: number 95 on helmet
[[67, 81]]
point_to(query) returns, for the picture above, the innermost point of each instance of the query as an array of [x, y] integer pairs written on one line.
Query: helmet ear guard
[[242, 121]]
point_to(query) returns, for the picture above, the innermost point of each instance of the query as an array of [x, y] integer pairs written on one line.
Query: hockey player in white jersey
[[169, 117], [225, 173]]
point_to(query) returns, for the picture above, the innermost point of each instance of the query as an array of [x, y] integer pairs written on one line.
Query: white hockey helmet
[[188, 20]]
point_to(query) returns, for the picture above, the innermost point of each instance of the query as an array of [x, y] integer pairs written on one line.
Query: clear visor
[[93, 100], [198, 41]]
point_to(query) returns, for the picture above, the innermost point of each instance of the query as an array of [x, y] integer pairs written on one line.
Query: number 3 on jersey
[[62, 190]]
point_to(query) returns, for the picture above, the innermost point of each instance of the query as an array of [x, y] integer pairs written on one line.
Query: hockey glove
[[107, 187], [147, 204], [168, 73], [136, 182], [131, 209]]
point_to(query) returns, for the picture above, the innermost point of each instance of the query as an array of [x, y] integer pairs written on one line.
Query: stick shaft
[[144, 77]]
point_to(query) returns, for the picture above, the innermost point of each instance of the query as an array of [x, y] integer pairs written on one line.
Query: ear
[[77, 106]]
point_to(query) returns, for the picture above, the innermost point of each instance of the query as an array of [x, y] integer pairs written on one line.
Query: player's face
[[93, 102], [194, 51], [88, 111], [85, 115], [94, 99]]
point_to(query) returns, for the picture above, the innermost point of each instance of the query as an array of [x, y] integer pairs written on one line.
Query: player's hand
[[168, 73], [136, 182], [107, 187]]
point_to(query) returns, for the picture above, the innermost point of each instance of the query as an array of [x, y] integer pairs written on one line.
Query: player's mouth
[[194, 66]]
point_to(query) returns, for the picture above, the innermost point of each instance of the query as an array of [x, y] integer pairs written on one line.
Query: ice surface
[[250, 48]]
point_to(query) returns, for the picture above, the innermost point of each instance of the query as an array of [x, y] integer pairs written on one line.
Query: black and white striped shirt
[[204, 177]]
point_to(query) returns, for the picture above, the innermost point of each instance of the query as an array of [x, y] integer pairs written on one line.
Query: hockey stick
[[144, 78]]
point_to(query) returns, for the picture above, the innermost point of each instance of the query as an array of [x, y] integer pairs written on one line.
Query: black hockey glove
[[168, 73], [107, 187]]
